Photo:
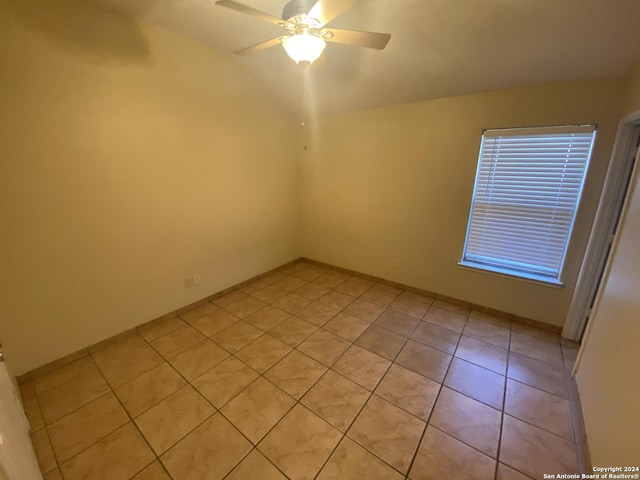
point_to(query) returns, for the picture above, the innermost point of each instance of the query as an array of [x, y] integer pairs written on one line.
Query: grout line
[[327, 368], [504, 404], [435, 401]]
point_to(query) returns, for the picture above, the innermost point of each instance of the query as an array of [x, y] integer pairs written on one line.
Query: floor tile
[[270, 293], [424, 360], [569, 355], [267, 318], [245, 307], [296, 373], [408, 390], [258, 408], [27, 390], [544, 349], [335, 300], [53, 475], [237, 336], [440, 454], [387, 431], [170, 420], [159, 328], [292, 303], [487, 332], [476, 382], [198, 359], [263, 353], [79, 430], [452, 307], [346, 326], [209, 452], [352, 462], [225, 381], [317, 313], [145, 391], [381, 342], [491, 318], [193, 314], [379, 296], [331, 279], [542, 409], [535, 331], [483, 354], [362, 366], [255, 466], [534, 451], [366, 311], [336, 399], [293, 331], [539, 374], [254, 286], [418, 297], [324, 347], [436, 336], [232, 297], [397, 322], [300, 443], [291, 282], [63, 374], [351, 287], [214, 321], [508, 473], [468, 420], [445, 318], [177, 341], [117, 457], [311, 291], [44, 452], [410, 307], [33, 413], [67, 397], [155, 471]]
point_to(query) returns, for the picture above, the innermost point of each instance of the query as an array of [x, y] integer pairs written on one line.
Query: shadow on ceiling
[[98, 33]]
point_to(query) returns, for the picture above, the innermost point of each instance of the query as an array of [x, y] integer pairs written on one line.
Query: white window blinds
[[527, 190]]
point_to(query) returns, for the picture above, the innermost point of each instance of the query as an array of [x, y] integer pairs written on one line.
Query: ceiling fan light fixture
[[303, 47]]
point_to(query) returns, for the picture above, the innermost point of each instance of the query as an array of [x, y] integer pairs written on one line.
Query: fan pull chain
[[304, 74]]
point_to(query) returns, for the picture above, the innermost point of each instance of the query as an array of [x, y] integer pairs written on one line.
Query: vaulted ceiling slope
[[438, 47]]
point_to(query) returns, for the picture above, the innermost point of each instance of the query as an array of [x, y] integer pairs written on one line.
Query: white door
[[17, 459]]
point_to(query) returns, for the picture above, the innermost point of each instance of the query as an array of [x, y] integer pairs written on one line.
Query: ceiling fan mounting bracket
[[296, 8]]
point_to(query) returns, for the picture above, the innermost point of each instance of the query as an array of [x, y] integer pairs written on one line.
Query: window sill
[[537, 280]]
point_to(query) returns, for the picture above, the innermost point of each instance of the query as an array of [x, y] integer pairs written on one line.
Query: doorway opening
[[626, 151]]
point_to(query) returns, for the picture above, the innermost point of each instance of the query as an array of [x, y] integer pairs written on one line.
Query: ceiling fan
[[306, 33]]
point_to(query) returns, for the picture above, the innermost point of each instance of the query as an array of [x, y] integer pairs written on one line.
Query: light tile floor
[[311, 373]]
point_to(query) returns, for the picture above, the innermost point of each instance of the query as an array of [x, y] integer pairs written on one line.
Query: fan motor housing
[[296, 7]]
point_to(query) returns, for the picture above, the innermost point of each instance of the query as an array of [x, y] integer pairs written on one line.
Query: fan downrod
[[296, 7]]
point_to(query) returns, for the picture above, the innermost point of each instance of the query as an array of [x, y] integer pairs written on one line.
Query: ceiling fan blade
[[260, 46], [326, 10], [361, 39], [238, 7]]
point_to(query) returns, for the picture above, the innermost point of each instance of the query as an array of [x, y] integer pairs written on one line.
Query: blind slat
[[528, 185]]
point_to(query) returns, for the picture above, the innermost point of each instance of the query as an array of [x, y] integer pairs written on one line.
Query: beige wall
[[130, 158], [633, 94], [396, 183], [607, 368]]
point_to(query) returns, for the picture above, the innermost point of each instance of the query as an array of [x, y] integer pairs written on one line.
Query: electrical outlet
[[196, 278], [397, 263], [188, 282]]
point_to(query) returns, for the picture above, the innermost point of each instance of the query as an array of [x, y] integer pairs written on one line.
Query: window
[[526, 194]]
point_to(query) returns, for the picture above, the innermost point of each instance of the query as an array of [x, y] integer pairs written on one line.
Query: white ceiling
[[438, 47]]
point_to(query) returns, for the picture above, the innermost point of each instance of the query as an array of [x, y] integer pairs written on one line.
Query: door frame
[[614, 193]]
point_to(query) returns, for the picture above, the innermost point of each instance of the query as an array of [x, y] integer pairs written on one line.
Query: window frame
[[547, 280]]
